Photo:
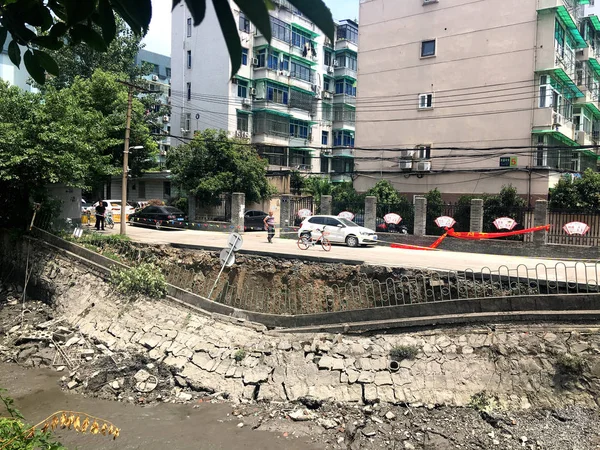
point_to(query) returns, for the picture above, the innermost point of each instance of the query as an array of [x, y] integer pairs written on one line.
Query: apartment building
[[469, 96], [159, 82], [16, 76], [294, 98]]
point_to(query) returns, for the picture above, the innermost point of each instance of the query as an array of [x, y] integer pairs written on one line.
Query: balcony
[[546, 119], [344, 71], [300, 142], [270, 74], [344, 98], [344, 152], [344, 44], [341, 178], [583, 138]]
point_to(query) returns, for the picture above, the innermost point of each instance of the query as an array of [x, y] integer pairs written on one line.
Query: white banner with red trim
[[505, 223], [576, 228], [445, 222], [346, 215], [392, 218]]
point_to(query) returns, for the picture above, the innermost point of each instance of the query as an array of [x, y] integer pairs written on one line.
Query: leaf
[[3, 34], [197, 10], [47, 62], [258, 14], [319, 14], [89, 36], [78, 11], [107, 21], [14, 53], [59, 29], [230, 33], [49, 42], [34, 68], [137, 13]]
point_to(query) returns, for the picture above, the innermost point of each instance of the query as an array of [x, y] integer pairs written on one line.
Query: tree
[[435, 208], [213, 164], [385, 192], [296, 182], [579, 194], [316, 187], [345, 197], [93, 22]]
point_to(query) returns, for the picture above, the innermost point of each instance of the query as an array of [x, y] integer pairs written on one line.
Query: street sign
[[509, 161], [227, 257], [235, 241]]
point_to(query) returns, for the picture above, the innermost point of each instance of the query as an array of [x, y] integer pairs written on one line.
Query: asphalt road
[[378, 255]]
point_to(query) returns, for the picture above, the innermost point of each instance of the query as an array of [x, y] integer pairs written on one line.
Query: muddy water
[[164, 426]]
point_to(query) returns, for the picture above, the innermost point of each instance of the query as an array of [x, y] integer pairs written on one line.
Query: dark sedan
[[254, 220], [159, 217]]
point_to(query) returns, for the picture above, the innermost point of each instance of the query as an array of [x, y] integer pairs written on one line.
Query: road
[[379, 255]]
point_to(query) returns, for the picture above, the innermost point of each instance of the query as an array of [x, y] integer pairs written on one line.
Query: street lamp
[[124, 182]]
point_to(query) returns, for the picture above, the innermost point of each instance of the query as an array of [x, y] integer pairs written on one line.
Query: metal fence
[[299, 203], [558, 218], [355, 207], [214, 213], [405, 210]]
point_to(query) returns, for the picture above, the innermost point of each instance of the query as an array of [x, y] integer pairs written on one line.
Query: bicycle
[[306, 240], [108, 220]]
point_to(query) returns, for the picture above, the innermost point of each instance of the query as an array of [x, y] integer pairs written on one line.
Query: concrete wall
[[489, 43], [154, 190], [70, 199]]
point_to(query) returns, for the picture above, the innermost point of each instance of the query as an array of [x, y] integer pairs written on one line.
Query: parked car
[[159, 217], [86, 208], [254, 220], [114, 206], [340, 230], [383, 227]]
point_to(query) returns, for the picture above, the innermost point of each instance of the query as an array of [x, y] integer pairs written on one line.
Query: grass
[[570, 365], [239, 355], [402, 352], [484, 402], [143, 279]]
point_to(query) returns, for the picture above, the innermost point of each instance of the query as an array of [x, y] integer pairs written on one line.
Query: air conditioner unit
[[407, 153], [423, 166], [330, 69], [315, 87], [252, 91], [327, 95], [286, 73], [234, 81], [184, 131], [246, 102], [557, 118], [255, 62], [165, 118], [154, 77], [335, 63], [405, 164]]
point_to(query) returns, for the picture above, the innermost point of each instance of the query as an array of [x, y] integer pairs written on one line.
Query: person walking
[[270, 226], [100, 211]]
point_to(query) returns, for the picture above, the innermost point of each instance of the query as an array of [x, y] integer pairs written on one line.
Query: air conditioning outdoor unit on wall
[[407, 153], [327, 95], [255, 62], [423, 166], [154, 77], [246, 102], [165, 118], [405, 164], [330, 69], [252, 91]]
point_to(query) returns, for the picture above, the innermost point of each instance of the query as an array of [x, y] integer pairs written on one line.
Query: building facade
[[159, 82], [16, 76], [469, 96], [293, 99]]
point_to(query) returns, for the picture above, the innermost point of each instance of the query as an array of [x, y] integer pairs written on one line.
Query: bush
[[239, 355], [143, 279], [570, 365], [401, 352], [179, 203], [484, 402]]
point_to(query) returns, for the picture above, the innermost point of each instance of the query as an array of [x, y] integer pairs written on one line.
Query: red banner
[[477, 236], [411, 247]]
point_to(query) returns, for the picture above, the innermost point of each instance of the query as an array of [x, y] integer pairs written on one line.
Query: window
[[189, 91], [324, 164], [301, 71], [277, 94], [189, 59], [324, 137], [261, 56], [328, 58], [285, 63], [155, 69], [425, 101], [299, 129], [343, 138], [188, 121], [273, 60], [168, 70], [242, 88], [244, 23], [427, 48], [189, 27], [424, 151], [347, 60], [244, 57], [281, 30], [326, 84], [166, 189], [347, 32], [301, 39], [242, 122], [344, 86], [540, 154]]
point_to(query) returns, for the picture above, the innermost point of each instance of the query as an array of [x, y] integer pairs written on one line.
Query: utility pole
[[131, 87]]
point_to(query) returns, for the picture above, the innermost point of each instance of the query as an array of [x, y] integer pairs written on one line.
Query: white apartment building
[[294, 99], [16, 76], [468, 96]]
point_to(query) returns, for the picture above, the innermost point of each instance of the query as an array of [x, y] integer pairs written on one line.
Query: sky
[[158, 39]]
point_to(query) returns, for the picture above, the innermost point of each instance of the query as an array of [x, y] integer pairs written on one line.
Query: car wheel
[[352, 241]]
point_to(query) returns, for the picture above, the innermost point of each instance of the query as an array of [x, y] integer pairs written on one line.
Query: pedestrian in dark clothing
[[270, 225], [100, 211]]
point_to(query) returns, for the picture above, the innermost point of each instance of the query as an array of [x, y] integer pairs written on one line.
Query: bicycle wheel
[[325, 244], [303, 243], [111, 224]]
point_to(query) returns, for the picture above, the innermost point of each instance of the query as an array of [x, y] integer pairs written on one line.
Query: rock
[[390, 415], [72, 384], [383, 379], [353, 375], [150, 340], [240, 425], [325, 362], [141, 375], [368, 432], [366, 377], [115, 385], [284, 345], [256, 376], [60, 368], [408, 446], [328, 424], [184, 396], [310, 402], [299, 416], [180, 381]]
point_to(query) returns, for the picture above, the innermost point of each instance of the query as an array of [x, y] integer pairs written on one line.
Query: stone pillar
[[238, 209], [285, 219], [476, 225], [540, 217], [371, 212], [420, 216], [326, 205], [191, 207]]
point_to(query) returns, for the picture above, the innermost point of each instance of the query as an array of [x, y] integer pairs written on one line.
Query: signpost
[[227, 256], [509, 161]]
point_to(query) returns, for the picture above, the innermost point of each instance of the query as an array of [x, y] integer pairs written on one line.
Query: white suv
[[339, 229]]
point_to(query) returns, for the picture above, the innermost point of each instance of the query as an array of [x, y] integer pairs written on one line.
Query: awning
[[349, 78], [558, 136], [590, 153], [238, 77], [343, 129], [562, 76], [273, 112], [243, 111], [595, 65], [303, 60], [571, 26], [312, 33], [277, 83], [304, 91], [592, 108], [595, 22]]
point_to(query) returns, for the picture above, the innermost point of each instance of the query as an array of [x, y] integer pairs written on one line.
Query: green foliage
[[296, 182], [213, 164], [15, 434], [572, 366], [462, 213], [94, 23], [402, 352], [179, 203], [345, 198], [579, 194], [317, 186], [484, 402], [239, 355], [435, 208], [143, 279], [385, 192]]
